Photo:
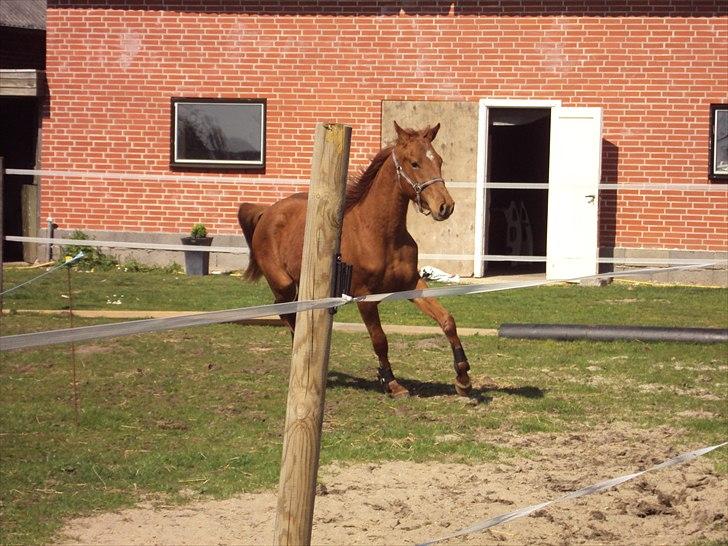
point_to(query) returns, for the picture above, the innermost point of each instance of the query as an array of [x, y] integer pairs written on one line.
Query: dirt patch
[[88, 349], [404, 502]]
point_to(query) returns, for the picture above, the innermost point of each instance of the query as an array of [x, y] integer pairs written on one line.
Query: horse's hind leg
[[433, 308], [370, 314], [284, 289]]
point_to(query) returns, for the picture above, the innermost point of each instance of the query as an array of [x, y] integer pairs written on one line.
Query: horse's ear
[[431, 132], [402, 134]]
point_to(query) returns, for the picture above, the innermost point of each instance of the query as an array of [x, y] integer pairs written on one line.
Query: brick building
[[492, 73]]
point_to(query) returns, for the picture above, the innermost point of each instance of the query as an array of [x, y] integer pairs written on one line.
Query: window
[[718, 169], [218, 133]]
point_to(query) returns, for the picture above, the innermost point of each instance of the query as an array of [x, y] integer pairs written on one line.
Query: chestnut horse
[[374, 240]]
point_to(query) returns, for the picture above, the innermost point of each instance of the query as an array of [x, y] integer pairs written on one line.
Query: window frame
[[177, 162], [712, 174]]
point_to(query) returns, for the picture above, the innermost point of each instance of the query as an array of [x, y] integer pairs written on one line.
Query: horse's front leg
[[433, 308], [370, 314]]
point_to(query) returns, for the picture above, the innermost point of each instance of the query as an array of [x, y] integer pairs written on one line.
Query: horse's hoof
[[463, 386], [395, 390]]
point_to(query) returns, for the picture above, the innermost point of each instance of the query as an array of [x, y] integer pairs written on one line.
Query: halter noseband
[[418, 187]]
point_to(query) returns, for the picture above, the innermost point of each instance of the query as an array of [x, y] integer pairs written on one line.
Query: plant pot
[[197, 262]]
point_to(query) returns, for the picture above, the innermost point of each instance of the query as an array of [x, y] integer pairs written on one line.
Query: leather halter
[[417, 186]]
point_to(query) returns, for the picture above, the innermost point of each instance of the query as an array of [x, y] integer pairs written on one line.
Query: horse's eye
[[415, 165]]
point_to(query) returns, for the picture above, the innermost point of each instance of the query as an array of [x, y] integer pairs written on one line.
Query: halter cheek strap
[[417, 186]]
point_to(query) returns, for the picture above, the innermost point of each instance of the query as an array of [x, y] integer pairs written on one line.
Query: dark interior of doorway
[[18, 149], [517, 218]]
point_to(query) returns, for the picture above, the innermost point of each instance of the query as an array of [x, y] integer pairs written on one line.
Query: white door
[[575, 163], [481, 205]]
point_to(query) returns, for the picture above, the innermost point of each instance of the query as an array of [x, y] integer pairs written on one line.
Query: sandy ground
[[406, 503]]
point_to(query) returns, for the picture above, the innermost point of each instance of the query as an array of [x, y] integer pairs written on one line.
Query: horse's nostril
[[445, 210]]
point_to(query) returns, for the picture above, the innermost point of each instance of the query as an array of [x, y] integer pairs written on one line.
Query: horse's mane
[[360, 184]]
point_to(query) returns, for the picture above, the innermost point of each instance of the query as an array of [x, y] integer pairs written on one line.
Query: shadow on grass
[[427, 389]]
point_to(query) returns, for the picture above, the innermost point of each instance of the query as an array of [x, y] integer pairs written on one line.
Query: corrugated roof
[[23, 13]]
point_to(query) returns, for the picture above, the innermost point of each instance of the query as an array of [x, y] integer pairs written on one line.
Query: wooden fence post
[[312, 340]]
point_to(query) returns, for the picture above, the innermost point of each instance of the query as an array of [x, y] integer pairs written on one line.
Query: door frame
[[484, 105]]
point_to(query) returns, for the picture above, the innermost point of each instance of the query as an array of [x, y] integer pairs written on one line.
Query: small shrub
[[134, 266], [199, 231], [93, 257], [173, 269]]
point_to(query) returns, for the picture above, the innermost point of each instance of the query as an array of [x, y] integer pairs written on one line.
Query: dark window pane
[[721, 142], [224, 133]]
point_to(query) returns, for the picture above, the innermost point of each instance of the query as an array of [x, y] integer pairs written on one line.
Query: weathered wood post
[[312, 340]]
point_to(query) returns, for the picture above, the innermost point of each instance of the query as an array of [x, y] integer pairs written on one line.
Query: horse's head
[[418, 168]]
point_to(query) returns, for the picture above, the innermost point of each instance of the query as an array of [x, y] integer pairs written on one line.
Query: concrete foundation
[[225, 262], [709, 276], [219, 262]]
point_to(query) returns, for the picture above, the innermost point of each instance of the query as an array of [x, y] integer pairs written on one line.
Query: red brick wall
[[654, 67]]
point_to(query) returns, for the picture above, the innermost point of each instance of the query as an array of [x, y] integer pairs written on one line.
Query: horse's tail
[[248, 216]]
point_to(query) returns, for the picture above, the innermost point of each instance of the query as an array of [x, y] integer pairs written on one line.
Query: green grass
[[619, 303], [155, 290], [202, 409]]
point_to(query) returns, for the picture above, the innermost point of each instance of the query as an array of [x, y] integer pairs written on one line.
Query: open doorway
[[18, 143], [516, 218]]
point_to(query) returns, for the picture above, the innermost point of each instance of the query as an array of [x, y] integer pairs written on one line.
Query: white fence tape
[[87, 333], [97, 175], [422, 256], [92, 175], [613, 261], [127, 244], [69, 262], [589, 490], [632, 186]]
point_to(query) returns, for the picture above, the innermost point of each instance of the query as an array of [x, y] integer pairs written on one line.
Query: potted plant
[[197, 262]]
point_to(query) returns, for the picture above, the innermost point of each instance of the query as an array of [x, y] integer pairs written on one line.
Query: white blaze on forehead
[[430, 155]]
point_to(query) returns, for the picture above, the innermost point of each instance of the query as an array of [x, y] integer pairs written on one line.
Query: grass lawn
[[618, 303], [203, 408]]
